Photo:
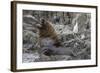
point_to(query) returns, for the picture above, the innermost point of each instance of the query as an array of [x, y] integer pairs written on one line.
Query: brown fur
[[48, 31]]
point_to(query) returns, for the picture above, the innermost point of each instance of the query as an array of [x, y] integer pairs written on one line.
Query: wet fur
[[47, 31]]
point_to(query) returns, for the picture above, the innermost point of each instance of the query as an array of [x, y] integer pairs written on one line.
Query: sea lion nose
[[48, 52]]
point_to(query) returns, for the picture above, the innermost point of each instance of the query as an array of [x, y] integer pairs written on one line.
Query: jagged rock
[[76, 45]]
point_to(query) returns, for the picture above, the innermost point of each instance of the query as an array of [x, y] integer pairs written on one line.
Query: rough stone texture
[[76, 45]]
